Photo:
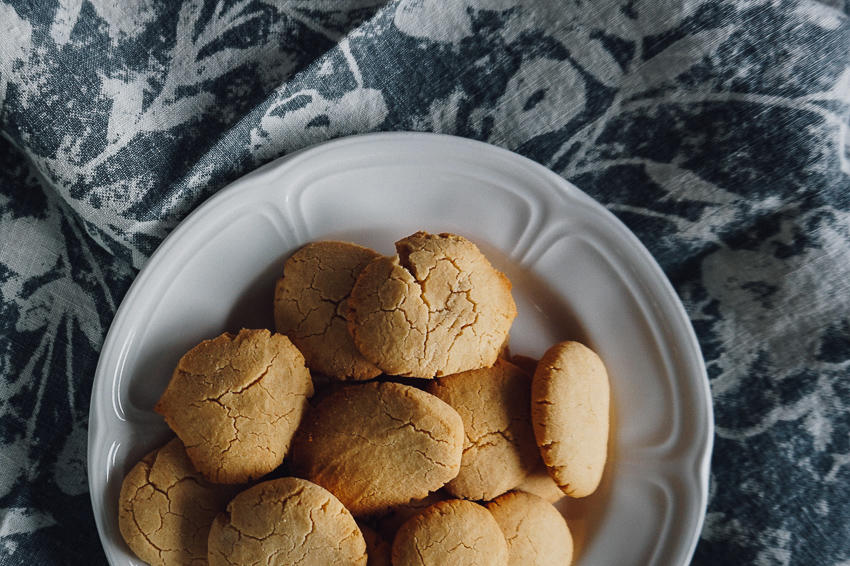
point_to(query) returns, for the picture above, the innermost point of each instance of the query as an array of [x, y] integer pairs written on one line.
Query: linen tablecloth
[[717, 131]]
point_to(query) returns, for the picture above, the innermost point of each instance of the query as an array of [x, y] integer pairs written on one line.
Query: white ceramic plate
[[578, 273]]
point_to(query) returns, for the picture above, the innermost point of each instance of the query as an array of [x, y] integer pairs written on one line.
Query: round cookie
[[309, 305], [377, 549], [537, 535], [498, 448], [570, 398], [455, 532], [286, 521], [438, 307], [235, 402], [166, 508], [375, 445], [541, 484]]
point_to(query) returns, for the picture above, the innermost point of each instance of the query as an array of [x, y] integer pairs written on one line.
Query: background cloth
[[717, 131]]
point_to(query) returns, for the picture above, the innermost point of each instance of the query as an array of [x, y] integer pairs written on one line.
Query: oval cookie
[[375, 445], [166, 508], [438, 307], [498, 449], [309, 305], [570, 400], [235, 402], [537, 535], [286, 521], [455, 532]]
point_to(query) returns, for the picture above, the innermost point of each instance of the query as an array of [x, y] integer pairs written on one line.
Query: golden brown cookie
[[309, 303], [570, 400], [455, 532], [235, 402], [438, 307], [537, 535], [541, 484], [375, 445], [286, 521], [166, 508], [377, 549], [498, 448]]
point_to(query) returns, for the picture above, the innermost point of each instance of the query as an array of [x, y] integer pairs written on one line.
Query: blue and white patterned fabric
[[717, 131]]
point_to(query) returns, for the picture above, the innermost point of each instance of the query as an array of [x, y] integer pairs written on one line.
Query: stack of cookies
[[383, 423]]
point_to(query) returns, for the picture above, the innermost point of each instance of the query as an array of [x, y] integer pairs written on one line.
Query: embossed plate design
[[578, 273]]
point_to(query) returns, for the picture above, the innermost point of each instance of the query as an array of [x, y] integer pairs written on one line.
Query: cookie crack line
[[145, 536], [481, 441], [323, 331], [408, 423], [305, 316], [404, 262], [435, 462], [255, 380], [419, 550], [240, 533], [133, 510], [463, 544], [230, 442]]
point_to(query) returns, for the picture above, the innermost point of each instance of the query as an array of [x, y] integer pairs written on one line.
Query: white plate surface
[[578, 273]]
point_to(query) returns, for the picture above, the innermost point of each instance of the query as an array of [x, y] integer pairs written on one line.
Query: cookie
[[377, 549], [537, 535], [455, 532], [570, 400], [309, 305], [375, 445], [235, 402], [541, 484], [498, 448], [438, 307], [286, 521], [166, 508]]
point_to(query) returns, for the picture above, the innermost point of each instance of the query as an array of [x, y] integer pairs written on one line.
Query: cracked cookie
[[438, 307], [286, 521], [570, 400], [455, 532], [235, 402], [536, 533], [166, 508], [375, 445], [377, 549], [309, 305], [498, 448]]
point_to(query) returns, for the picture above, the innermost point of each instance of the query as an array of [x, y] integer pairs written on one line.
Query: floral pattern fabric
[[717, 130]]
